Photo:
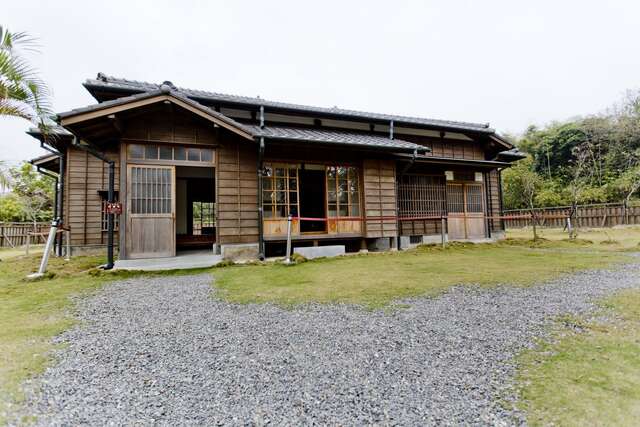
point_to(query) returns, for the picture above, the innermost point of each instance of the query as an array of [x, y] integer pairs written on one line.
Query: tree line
[[594, 159]]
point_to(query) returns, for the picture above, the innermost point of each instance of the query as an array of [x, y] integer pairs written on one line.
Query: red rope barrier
[[418, 218]]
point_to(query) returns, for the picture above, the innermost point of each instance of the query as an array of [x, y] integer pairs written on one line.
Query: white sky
[[510, 63]]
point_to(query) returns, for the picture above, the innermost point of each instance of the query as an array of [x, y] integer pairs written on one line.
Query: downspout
[[501, 200], [61, 174], [486, 176], [261, 251], [110, 197]]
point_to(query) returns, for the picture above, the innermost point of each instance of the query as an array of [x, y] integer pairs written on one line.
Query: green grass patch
[[587, 378], [614, 239], [374, 280], [32, 312]]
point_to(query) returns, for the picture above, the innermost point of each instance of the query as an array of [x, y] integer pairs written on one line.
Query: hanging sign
[[114, 208]]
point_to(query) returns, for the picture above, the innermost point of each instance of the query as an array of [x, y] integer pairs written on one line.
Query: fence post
[[443, 223]]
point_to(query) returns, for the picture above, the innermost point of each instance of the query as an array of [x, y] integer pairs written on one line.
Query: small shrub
[[224, 263], [609, 242], [577, 241], [298, 259]]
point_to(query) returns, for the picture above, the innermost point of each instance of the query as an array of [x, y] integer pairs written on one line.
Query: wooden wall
[[237, 191], [495, 204], [169, 125], [451, 148], [379, 197], [85, 177]]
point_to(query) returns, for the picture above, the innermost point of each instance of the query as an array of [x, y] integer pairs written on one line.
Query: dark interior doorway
[[195, 208], [312, 204]]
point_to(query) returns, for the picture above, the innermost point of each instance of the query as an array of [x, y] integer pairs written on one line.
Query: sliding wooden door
[[150, 211], [465, 211]]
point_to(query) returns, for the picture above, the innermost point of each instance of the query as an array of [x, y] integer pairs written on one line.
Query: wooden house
[[196, 169]]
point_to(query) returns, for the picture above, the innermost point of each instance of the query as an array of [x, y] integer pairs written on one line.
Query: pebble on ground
[[166, 351]]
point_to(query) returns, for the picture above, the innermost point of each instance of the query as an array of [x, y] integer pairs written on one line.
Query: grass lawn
[[620, 238], [589, 378], [32, 312], [376, 279]]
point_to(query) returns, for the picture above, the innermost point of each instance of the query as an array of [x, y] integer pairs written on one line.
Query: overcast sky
[[510, 63]]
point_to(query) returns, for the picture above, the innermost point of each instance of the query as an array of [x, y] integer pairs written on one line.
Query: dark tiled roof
[[163, 90], [512, 155], [55, 130], [325, 136], [321, 136], [118, 84]]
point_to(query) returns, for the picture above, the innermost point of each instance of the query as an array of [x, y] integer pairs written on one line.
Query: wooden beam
[[116, 123]]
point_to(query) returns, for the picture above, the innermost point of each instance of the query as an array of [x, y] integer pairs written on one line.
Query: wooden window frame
[[131, 193], [417, 198], [350, 194], [270, 204], [172, 161]]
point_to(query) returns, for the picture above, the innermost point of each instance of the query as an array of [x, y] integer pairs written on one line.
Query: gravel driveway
[[166, 351]]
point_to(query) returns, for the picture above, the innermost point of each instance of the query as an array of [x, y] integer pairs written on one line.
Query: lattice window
[[465, 198], [204, 220], [343, 191], [473, 194], [280, 191], [151, 190], [169, 153], [455, 198], [421, 195]]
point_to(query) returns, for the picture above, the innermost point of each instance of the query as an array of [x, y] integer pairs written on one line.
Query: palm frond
[[22, 91]]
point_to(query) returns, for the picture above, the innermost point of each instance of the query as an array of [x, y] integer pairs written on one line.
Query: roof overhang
[[336, 137], [500, 140], [489, 164], [106, 87], [49, 162], [74, 118]]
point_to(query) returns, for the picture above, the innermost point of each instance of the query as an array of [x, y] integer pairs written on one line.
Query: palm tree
[[22, 92]]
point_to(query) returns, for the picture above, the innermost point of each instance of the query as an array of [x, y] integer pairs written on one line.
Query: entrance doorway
[[312, 199], [465, 211], [195, 208], [150, 211]]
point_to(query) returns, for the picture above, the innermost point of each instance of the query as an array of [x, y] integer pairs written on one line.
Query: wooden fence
[[14, 234], [601, 215]]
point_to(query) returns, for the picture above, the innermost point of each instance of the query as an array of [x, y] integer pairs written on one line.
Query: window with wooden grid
[[343, 191], [151, 191], [473, 195], [280, 191], [204, 220], [421, 195], [455, 198], [170, 153]]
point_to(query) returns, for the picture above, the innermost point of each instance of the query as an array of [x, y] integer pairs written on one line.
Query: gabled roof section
[[50, 162], [163, 93], [107, 83], [337, 137]]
